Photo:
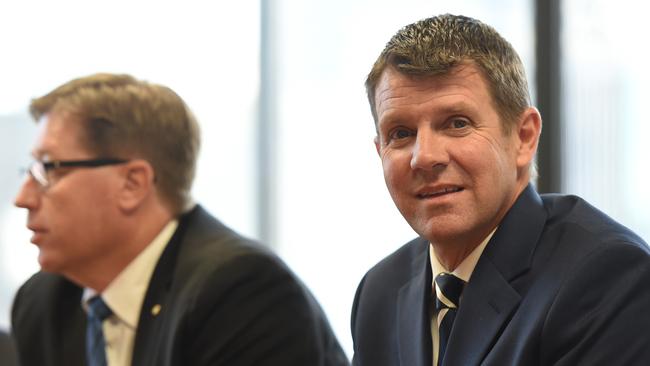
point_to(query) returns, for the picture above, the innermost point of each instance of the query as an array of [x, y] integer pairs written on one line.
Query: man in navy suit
[[499, 274], [133, 271]]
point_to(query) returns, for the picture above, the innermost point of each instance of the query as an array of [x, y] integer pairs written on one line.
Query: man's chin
[[440, 229], [49, 264]]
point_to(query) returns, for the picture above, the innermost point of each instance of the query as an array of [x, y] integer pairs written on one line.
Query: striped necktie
[[98, 311], [448, 290]]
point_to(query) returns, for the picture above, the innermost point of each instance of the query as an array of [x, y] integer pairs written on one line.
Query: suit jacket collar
[[414, 312], [489, 298], [154, 303], [513, 244]]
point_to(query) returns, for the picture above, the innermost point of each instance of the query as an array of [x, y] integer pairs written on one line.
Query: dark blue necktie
[[450, 287], [98, 311]]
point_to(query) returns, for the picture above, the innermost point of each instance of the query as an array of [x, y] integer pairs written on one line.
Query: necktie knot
[[98, 309], [448, 290]]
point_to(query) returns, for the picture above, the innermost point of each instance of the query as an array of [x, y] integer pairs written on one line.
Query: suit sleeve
[[356, 359], [253, 311], [600, 315]]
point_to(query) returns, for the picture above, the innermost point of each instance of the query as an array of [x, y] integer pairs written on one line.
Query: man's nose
[[29, 194], [429, 151]]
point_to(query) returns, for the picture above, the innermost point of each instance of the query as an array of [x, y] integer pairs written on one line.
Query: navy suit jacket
[[224, 301], [559, 283]]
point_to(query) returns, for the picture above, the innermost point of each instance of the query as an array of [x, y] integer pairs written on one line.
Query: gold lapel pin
[[155, 310]]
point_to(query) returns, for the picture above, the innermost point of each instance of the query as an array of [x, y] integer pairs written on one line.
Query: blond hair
[[129, 118]]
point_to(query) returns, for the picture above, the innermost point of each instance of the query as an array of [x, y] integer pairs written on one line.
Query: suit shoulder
[[384, 280], [207, 243], [212, 256], [46, 287], [570, 214], [226, 281]]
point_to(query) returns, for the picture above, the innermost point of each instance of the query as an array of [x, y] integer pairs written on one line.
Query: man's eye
[[459, 123], [400, 134]]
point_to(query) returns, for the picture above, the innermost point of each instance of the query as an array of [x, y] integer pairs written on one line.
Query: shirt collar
[[466, 267], [125, 294]]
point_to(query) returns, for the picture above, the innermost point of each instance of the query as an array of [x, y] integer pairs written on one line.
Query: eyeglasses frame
[[40, 174]]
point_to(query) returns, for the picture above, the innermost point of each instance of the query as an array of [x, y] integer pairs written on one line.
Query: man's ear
[[137, 184], [528, 129]]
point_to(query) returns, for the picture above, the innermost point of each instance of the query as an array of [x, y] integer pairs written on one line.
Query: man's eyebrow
[[389, 119], [392, 116], [457, 107]]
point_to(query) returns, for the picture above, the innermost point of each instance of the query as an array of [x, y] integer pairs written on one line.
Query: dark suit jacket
[[7, 351], [225, 301], [559, 283]]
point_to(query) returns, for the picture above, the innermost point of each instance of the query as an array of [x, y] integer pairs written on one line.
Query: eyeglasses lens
[[37, 170]]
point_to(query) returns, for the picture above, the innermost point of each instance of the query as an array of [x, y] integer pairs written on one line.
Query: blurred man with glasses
[[133, 271]]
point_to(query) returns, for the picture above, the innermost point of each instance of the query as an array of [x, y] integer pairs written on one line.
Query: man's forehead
[[391, 79], [466, 68], [394, 84], [58, 132]]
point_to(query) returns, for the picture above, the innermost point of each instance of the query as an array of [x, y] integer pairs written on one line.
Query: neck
[[451, 255], [452, 251], [132, 234]]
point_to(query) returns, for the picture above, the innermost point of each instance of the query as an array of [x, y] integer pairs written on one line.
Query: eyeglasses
[[39, 169]]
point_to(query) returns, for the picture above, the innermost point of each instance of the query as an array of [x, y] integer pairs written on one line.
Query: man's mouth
[[35, 229], [424, 194]]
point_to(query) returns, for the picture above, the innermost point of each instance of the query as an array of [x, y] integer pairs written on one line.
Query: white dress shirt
[[125, 294]]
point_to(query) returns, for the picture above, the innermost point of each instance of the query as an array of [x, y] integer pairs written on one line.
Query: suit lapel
[[489, 298], [413, 313], [487, 304], [148, 335]]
